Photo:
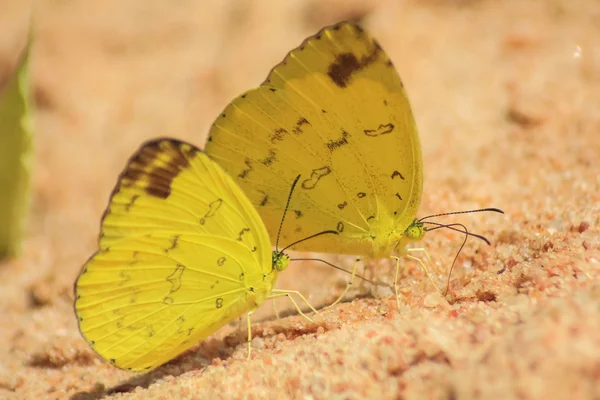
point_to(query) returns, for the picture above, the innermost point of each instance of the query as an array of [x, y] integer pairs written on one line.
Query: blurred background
[[502, 93], [108, 75]]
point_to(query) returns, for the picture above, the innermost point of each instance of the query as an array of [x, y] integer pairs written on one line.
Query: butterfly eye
[[280, 261], [415, 231]]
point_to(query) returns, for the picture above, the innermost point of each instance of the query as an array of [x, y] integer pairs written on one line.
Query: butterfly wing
[[145, 300], [172, 187], [182, 252], [334, 111]]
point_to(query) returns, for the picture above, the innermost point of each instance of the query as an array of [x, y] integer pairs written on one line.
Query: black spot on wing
[[347, 64], [278, 135], [131, 202], [337, 143], [380, 130], [155, 165], [175, 278], [241, 234], [244, 173], [213, 207], [315, 177], [299, 124], [174, 243], [270, 159], [397, 174], [264, 201]]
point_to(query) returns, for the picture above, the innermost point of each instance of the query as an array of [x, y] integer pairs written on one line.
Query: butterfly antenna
[[331, 265], [287, 205], [467, 234], [458, 252], [451, 227], [309, 237], [491, 209]]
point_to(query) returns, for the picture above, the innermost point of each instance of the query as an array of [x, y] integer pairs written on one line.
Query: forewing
[[334, 111]]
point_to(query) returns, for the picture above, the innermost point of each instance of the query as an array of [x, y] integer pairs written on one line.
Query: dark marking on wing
[[253, 249], [396, 173], [360, 195], [155, 165], [221, 261], [298, 213], [174, 243], [380, 130], [212, 210], [268, 160], [398, 195], [385, 102], [131, 202], [264, 201], [277, 135], [175, 278], [246, 170], [126, 277], [370, 218], [219, 302], [346, 65], [337, 143], [241, 234], [242, 275], [340, 227], [315, 177], [341, 206], [298, 128]]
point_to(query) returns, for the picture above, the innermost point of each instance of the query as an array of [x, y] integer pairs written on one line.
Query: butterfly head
[[415, 231], [280, 260]]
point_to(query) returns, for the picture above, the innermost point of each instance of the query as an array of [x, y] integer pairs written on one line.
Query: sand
[[506, 98]]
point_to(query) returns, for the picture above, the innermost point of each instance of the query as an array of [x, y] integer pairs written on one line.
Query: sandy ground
[[506, 96]]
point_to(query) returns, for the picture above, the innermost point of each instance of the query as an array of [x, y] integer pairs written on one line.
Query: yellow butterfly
[[334, 111], [182, 252]]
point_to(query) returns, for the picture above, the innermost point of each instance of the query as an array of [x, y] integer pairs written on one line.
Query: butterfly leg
[[248, 317], [396, 280], [422, 250], [275, 293], [348, 285], [424, 268], [275, 310]]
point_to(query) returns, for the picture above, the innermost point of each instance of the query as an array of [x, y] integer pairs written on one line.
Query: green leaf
[[16, 156]]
